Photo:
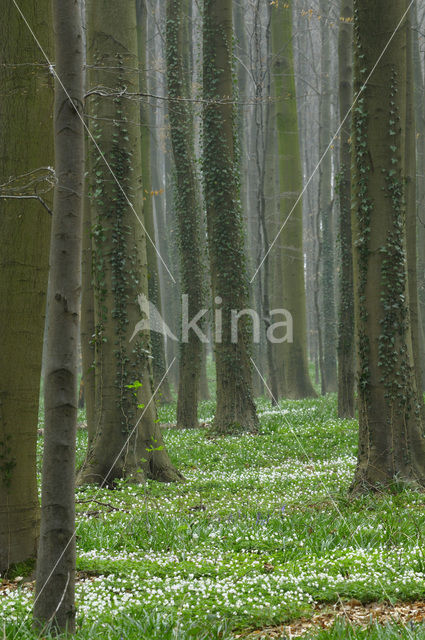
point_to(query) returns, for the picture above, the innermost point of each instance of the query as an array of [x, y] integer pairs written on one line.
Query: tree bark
[[235, 405], [391, 445], [411, 207], [159, 365], [291, 358], [420, 185], [26, 153], [346, 373], [204, 392], [187, 205], [55, 580], [327, 267], [128, 442], [87, 318]]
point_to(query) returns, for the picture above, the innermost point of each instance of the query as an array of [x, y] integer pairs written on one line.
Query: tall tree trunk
[[420, 186], [268, 191], [391, 446], [410, 196], [160, 170], [346, 371], [291, 358], [204, 392], [26, 153], [243, 113], [55, 581], [266, 197], [87, 318], [235, 405], [127, 437], [328, 316], [272, 227], [159, 365], [187, 204], [172, 296]]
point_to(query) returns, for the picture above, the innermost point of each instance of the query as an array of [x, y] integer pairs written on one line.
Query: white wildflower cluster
[[259, 532]]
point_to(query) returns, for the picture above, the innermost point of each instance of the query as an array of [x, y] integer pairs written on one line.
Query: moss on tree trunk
[[187, 205], [127, 442], [391, 443], [235, 405]]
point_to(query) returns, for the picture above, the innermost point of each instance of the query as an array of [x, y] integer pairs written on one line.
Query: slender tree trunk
[[291, 357], [243, 113], [87, 318], [204, 392], [187, 204], [172, 298], [159, 366], [235, 405], [55, 582], [328, 315], [26, 152], [263, 144], [420, 186], [128, 442], [272, 227], [268, 192], [346, 372], [391, 446], [160, 169], [316, 301], [410, 195]]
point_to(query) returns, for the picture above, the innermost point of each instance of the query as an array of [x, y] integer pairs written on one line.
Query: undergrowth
[[262, 530]]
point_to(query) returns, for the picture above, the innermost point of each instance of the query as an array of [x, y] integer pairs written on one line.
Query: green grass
[[262, 529]]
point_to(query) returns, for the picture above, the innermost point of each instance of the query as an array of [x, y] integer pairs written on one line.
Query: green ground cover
[[262, 530]]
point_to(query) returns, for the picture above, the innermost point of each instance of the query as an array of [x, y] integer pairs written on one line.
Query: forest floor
[[262, 541]]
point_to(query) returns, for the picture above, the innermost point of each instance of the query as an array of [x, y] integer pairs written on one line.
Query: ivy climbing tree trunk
[[235, 405], [159, 365], [55, 581], [26, 153], [291, 357], [127, 441], [187, 205], [391, 444], [346, 371]]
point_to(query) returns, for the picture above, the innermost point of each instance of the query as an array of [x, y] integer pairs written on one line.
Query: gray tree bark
[[346, 295], [235, 405], [54, 604], [327, 269], [187, 205]]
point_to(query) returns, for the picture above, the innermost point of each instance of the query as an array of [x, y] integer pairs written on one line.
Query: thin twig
[[34, 197]]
